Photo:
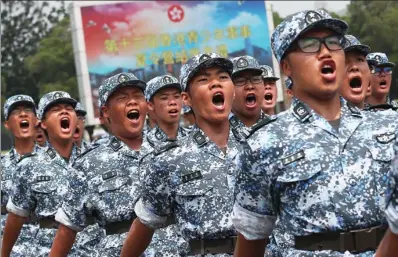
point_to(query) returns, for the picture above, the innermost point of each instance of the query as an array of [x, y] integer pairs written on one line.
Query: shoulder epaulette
[[165, 147], [87, 150], [26, 156]]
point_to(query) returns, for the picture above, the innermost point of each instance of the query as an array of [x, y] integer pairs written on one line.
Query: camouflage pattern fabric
[[191, 181], [160, 82], [9, 163], [16, 99], [379, 59], [49, 99], [245, 62], [268, 72], [300, 176]]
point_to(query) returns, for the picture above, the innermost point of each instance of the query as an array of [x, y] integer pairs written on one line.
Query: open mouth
[[39, 137], [133, 115], [65, 123], [383, 83], [77, 132], [218, 99], [173, 111], [268, 97], [328, 67], [356, 82], [24, 124], [250, 99]]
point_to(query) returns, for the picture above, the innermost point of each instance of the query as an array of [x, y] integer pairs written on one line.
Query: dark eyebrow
[[205, 73]]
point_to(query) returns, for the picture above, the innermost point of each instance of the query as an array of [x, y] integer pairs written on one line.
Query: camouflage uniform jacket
[[166, 240], [9, 163], [390, 104], [313, 178], [243, 132], [39, 184], [191, 182], [105, 185]]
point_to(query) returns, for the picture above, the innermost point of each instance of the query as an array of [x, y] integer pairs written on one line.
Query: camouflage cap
[[186, 109], [296, 24], [119, 80], [200, 61], [268, 72], [160, 82], [52, 98], [288, 83], [15, 100], [379, 59], [243, 63], [79, 109], [353, 44]]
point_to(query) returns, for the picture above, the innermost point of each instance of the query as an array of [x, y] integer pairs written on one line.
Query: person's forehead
[[354, 54], [167, 90]]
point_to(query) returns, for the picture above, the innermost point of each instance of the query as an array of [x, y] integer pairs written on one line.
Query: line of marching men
[[315, 180]]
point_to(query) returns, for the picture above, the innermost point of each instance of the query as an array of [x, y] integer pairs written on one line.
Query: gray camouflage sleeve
[[254, 213], [73, 211], [22, 201], [392, 194], [154, 206]]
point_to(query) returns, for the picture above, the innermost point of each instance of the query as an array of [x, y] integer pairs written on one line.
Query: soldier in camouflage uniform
[[163, 96], [381, 83], [357, 79], [79, 132], [191, 181], [40, 136], [41, 177], [247, 115], [270, 92], [316, 177], [106, 184], [20, 119]]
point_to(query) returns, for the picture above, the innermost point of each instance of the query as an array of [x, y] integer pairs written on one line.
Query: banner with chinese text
[[152, 38]]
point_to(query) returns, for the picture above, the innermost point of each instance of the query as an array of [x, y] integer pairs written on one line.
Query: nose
[[324, 52]]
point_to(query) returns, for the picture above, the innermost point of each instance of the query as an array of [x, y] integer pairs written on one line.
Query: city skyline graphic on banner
[[156, 37]]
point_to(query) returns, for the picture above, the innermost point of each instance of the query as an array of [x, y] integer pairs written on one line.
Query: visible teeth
[[133, 111], [327, 66], [24, 122]]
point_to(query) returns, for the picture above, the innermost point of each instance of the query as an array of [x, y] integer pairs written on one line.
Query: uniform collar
[[304, 113]]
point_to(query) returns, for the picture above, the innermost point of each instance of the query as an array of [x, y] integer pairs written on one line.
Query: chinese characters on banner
[[179, 39]]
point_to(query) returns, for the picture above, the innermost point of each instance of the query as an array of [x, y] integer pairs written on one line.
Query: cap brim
[[70, 101], [363, 49], [256, 71], [336, 25], [386, 64], [272, 78], [82, 112], [220, 62], [12, 106], [132, 83]]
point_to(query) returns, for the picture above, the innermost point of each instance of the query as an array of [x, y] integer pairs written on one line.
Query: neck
[[376, 100], [329, 109], [216, 132], [63, 147], [133, 143], [248, 121], [171, 129], [360, 105], [270, 111], [23, 146]]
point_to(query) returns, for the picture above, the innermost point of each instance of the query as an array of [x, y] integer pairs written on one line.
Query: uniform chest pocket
[[382, 152], [114, 183], [300, 166], [194, 188], [45, 187]]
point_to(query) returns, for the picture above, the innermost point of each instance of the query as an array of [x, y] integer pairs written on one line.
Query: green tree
[[277, 18], [52, 67], [23, 25]]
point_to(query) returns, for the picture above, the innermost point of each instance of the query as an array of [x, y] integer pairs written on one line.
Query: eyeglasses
[[378, 70], [313, 44], [241, 81], [18, 111], [82, 118]]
